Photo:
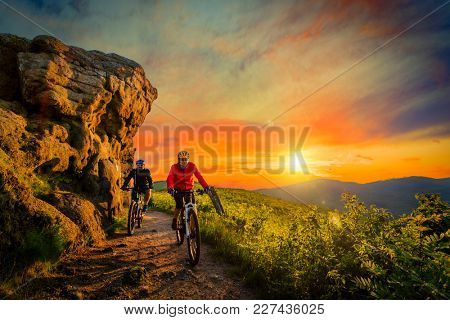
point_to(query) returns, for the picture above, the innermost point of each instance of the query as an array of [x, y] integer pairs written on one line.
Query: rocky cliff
[[67, 121]]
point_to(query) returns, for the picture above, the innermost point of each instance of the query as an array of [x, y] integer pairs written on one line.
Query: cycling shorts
[[189, 197]]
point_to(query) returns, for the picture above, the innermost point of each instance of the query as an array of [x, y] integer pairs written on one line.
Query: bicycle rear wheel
[[180, 228], [193, 243], [131, 218]]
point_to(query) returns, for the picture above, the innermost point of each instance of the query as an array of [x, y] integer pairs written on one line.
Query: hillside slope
[[279, 248]]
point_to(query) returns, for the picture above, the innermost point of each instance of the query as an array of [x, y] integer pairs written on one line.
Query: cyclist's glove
[[171, 191], [207, 188]]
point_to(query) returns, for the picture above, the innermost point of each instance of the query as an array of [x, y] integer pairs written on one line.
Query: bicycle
[[187, 225], [135, 212]]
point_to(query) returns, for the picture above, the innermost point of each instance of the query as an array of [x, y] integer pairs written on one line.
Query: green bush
[[43, 245], [119, 224], [306, 252]]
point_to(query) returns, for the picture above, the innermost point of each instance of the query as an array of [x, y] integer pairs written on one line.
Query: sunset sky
[[243, 63]]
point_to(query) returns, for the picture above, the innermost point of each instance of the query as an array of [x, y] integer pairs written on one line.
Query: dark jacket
[[142, 179]]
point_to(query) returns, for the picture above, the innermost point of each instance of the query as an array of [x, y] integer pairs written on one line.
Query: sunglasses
[[183, 159]]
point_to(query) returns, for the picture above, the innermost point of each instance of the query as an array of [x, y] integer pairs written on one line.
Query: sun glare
[[295, 165]]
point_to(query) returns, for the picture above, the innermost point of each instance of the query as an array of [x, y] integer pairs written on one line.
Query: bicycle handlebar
[[199, 191]]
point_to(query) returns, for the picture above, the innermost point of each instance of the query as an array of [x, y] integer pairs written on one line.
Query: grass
[[119, 223], [287, 250], [28, 240], [9, 288], [46, 244], [38, 253]]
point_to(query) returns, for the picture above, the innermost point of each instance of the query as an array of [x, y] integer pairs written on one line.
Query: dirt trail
[[147, 265]]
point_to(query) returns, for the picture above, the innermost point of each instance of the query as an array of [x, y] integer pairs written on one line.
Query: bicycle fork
[[186, 218]]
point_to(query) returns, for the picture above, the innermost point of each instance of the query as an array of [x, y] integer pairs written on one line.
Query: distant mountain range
[[397, 195]]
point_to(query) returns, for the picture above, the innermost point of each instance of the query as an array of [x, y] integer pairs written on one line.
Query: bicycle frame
[[187, 206], [190, 230], [135, 214], [140, 200]]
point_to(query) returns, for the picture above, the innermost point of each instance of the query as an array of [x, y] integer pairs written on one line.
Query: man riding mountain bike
[[181, 178], [143, 182]]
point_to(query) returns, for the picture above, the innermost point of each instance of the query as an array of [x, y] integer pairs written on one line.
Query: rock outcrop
[[67, 121]]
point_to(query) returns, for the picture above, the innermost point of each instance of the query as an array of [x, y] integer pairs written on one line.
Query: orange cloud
[[411, 159]]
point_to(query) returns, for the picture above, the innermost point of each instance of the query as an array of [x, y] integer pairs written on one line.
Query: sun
[[295, 165]]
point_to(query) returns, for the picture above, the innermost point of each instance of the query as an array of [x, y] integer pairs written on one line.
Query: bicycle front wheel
[[131, 217], [193, 243]]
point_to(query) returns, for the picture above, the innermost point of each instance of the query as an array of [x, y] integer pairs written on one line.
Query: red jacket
[[183, 178]]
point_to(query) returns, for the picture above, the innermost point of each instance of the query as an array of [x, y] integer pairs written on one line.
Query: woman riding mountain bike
[[180, 184], [143, 182], [188, 226], [140, 195], [180, 180]]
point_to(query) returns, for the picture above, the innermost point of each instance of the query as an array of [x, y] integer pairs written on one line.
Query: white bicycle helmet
[[183, 154]]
